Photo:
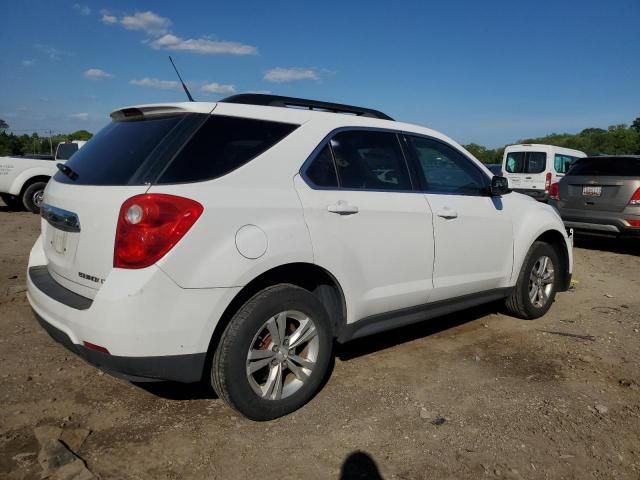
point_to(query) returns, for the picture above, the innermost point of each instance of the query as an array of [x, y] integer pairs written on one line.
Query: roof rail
[[279, 101]]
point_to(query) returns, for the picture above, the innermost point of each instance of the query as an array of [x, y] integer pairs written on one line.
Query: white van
[[532, 168]]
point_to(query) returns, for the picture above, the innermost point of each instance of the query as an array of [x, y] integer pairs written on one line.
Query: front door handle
[[448, 214], [342, 208]]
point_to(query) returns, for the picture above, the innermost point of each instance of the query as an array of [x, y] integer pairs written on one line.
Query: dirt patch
[[473, 395]]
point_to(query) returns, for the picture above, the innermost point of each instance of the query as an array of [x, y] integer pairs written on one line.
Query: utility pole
[[50, 144]]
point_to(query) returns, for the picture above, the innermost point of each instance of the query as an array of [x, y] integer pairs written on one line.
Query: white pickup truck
[[23, 179]]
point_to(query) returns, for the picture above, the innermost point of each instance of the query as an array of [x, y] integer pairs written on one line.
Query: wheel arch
[[31, 180], [309, 276], [558, 243]]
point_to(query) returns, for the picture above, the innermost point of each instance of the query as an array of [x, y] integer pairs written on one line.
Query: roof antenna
[[186, 90]]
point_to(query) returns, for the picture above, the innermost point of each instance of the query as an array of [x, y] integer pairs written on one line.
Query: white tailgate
[[82, 260]]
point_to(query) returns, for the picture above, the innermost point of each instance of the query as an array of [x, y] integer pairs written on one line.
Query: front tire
[[32, 196], [537, 283], [274, 354]]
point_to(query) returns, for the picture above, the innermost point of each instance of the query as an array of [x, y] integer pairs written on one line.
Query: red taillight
[[635, 198], [149, 226], [547, 182], [633, 223], [554, 191]]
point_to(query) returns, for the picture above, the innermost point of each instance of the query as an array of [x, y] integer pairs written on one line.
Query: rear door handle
[[448, 214], [343, 208]]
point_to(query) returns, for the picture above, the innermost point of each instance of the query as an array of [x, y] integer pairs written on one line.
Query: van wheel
[[11, 201], [274, 354], [537, 283], [32, 196]]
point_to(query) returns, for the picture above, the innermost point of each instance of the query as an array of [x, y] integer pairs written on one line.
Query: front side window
[[526, 162], [445, 170], [370, 160]]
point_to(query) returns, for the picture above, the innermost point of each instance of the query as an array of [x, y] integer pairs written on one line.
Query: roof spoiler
[[279, 101]]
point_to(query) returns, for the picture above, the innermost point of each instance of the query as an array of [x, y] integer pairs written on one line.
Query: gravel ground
[[473, 395]]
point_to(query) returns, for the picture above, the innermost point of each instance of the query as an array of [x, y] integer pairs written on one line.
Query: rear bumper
[[599, 223], [540, 195], [179, 368], [152, 328]]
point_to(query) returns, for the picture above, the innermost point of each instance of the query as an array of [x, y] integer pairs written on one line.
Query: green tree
[[3, 125], [80, 135], [636, 124]]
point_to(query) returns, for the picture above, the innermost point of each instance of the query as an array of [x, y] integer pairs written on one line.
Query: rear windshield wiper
[[68, 171]]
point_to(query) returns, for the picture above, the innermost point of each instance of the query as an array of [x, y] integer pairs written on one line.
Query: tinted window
[[607, 166], [536, 162], [515, 162], [117, 151], [526, 162], [65, 150], [322, 171], [563, 162], [370, 160], [445, 170], [221, 145]]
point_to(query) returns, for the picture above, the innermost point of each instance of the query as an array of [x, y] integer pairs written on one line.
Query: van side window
[[370, 160], [562, 162], [445, 170]]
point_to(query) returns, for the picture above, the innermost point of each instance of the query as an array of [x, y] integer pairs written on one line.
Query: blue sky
[[489, 72]]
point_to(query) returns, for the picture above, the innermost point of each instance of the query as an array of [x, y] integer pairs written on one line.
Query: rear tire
[[274, 354], [32, 196], [13, 202], [537, 283]]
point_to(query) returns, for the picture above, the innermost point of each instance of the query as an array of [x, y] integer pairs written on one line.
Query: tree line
[[16, 145], [617, 139]]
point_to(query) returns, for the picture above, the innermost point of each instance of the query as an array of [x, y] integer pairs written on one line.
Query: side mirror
[[499, 186]]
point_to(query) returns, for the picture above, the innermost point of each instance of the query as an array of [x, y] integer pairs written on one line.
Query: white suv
[[236, 241]]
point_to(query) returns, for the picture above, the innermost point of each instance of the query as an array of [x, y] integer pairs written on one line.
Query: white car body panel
[[395, 253]]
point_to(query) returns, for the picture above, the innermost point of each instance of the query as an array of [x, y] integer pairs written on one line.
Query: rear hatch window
[[116, 154], [606, 167], [171, 149], [65, 150], [526, 162]]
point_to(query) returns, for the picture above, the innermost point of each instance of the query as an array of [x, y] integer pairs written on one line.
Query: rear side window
[[222, 145], [606, 166], [65, 150], [322, 171], [115, 153], [370, 160], [526, 162]]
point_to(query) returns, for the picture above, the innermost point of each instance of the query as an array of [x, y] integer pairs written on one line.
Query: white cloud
[[155, 83], [82, 9], [284, 75], [203, 46], [96, 74], [109, 19], [80, 116], [52, 52], [148, 22], [218, 88], [27, 63]]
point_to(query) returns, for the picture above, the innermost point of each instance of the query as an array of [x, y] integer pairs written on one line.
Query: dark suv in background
[[600, 195]]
